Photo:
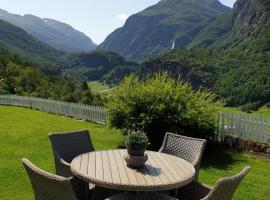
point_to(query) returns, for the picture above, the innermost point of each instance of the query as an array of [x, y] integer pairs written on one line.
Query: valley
[[227, 52]]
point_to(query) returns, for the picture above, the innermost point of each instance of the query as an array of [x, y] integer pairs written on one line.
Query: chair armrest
[[62, 161], [207, 186], [63, 168]]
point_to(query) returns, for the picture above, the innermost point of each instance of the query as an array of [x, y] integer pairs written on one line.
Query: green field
[[263, 111], [98, 86], [24, 133]]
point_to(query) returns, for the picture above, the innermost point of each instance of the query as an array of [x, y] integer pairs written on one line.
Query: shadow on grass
[[217, 156]]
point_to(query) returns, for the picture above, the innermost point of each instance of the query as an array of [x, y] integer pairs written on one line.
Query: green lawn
[[24, 133], [263, 111], [219, 163], [98, 86]]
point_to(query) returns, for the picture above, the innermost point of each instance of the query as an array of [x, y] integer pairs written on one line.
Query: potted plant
[[136, 143]]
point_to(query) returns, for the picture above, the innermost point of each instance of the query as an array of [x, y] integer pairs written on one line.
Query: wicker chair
[[66, 147], [222, 190], [47, 186], [134, 196], [187, 148]]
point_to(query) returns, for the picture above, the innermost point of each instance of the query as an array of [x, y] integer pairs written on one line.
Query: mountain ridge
[[58, 35], [154, 30], [246, 26]]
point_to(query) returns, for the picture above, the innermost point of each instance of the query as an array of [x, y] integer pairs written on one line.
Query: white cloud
[[122, 17]]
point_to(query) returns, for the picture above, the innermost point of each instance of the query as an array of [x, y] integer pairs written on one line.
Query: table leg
[[86, 191]]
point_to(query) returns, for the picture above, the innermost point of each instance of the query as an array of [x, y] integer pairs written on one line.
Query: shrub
[[267, 105], [250, 107], [160, 104]]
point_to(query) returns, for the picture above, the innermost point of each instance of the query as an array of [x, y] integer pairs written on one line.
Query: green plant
[[160, 104], [136, 140], [250, 107]]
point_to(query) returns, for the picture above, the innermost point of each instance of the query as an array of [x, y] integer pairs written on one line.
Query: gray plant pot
[[136, 161], [135, 152]]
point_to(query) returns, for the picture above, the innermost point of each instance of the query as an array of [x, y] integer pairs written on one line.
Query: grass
[[24, 133], [263, 111], [220, 163], [97, 86]]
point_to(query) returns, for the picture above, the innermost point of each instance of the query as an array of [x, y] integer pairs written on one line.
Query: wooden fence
[[79, 111], [244, 126], [241, 125]]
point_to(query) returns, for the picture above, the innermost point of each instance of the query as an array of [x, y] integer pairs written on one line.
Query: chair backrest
[[47, 186], [69, 145], [225, 188], [187, 148]]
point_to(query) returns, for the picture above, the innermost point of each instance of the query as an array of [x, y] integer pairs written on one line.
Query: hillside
[[58, 35], [18, 42], [236, 76], [98, 65], [20, 77], [246, 27], [157, 28]]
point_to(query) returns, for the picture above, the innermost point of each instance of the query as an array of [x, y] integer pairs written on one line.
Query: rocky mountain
[[169, 23], [58, 35], [246, 27], [233, 59]]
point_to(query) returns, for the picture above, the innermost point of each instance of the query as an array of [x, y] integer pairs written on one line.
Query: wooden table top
[[109, 169]]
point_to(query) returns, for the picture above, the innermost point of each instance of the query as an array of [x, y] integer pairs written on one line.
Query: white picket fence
[[79, 111], [244, 126]]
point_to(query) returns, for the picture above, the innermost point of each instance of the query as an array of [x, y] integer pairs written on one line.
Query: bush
[[267, 105], [251, 107], [161, 104]]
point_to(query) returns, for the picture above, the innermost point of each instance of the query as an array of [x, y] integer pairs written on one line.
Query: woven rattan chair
[[66, 147], [187, 148], [222, 190], [47, 186], [133, 196]]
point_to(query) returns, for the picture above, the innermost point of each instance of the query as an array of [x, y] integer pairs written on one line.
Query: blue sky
[[96, 18]]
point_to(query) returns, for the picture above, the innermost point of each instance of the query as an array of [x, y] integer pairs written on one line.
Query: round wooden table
[[108, 169]]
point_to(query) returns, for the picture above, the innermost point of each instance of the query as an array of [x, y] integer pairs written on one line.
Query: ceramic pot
[[135, 152], [136, 161]]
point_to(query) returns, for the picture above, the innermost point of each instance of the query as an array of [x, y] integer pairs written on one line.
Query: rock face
[[170, 23], [58, 35], [246, 27]]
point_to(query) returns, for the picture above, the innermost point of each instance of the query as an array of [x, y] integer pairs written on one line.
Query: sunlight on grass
[[24, 133], [98, 86], [218, 163], [263, 111]]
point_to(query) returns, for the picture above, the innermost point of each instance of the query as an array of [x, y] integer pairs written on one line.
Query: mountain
[[230, 56], [16, 41], [158, 28], [58, 35], [95, 65], [237, 76], [246, 27]]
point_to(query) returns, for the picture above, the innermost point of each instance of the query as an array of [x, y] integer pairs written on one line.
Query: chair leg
[[174, 193]]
